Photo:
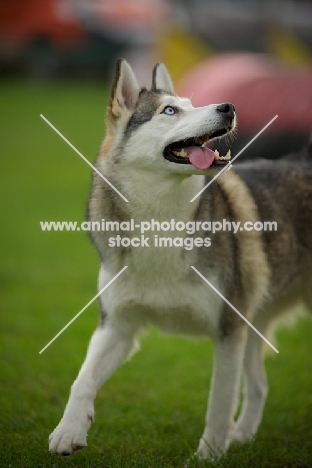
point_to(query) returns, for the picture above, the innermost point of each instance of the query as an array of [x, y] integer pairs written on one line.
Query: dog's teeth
[[217, 155], [227, 157], [181, 153]]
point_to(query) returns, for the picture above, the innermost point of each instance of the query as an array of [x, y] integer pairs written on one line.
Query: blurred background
[[256, 54]]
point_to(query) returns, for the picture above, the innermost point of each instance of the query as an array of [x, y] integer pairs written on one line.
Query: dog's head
[[156, 129]]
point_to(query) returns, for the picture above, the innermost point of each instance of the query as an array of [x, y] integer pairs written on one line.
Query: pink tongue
[[200, 157]]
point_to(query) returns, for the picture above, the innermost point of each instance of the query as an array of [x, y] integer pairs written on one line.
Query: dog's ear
[[161, 79], [125, 91]]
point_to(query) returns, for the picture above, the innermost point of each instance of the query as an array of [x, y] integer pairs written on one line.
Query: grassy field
[[151, 412]]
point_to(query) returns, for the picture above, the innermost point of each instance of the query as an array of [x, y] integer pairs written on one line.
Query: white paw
[[208, 450], [70, 435], [198, 458], [242, 435]]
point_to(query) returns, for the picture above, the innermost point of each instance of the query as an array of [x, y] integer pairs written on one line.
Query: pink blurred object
[[258, 87]]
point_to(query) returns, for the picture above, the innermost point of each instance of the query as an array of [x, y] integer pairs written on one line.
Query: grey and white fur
[[262, 274]]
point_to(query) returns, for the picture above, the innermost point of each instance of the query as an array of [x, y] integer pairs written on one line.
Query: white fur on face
[[145, 146]]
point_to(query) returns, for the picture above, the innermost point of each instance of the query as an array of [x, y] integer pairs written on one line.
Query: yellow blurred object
[[289, 48], [180, 51]]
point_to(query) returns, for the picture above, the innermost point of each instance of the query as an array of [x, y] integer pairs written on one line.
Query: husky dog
[[155, 153]]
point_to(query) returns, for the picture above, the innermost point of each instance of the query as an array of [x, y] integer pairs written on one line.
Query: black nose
[[226, 108]]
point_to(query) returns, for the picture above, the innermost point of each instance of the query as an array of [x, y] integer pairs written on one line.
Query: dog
[[156, 154]]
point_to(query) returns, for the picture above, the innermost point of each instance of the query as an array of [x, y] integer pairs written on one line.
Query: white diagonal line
[[232, 160], [82, 156], [235, 310], [85, 307]]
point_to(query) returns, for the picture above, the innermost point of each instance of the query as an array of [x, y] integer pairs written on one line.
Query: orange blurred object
[[24, 20]]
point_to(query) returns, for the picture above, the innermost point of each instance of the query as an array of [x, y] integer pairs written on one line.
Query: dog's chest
[[160, 287], [161, 254]]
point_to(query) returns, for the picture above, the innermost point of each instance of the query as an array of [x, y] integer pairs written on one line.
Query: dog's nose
[[226, 108]]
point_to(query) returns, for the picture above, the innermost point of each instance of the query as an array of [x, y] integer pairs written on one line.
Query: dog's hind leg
[[109, 346], [228, 362], [256, 388]]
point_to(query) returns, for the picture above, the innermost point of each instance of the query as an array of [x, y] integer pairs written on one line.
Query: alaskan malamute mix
[[155, 154]]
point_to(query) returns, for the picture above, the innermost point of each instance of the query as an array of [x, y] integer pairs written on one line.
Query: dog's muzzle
[[195, 150]]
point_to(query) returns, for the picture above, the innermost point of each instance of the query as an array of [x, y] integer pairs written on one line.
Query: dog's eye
[[168, 110]]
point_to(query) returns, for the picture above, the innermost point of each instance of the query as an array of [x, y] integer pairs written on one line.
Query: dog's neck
[[161, 197]]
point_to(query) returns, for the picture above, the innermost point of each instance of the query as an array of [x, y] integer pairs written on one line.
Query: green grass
[[151, 412]]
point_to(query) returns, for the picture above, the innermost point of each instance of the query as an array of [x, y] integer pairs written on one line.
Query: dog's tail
[[309, 147], [307, 151], [304, 155]]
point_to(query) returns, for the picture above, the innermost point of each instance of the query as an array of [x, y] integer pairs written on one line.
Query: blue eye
[[168, 110]]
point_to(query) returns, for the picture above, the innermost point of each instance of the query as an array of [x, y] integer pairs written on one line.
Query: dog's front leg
[[109, 346], [228, 359], [255, 383]]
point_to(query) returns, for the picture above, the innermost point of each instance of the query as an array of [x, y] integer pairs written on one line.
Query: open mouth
[[196, 152]]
